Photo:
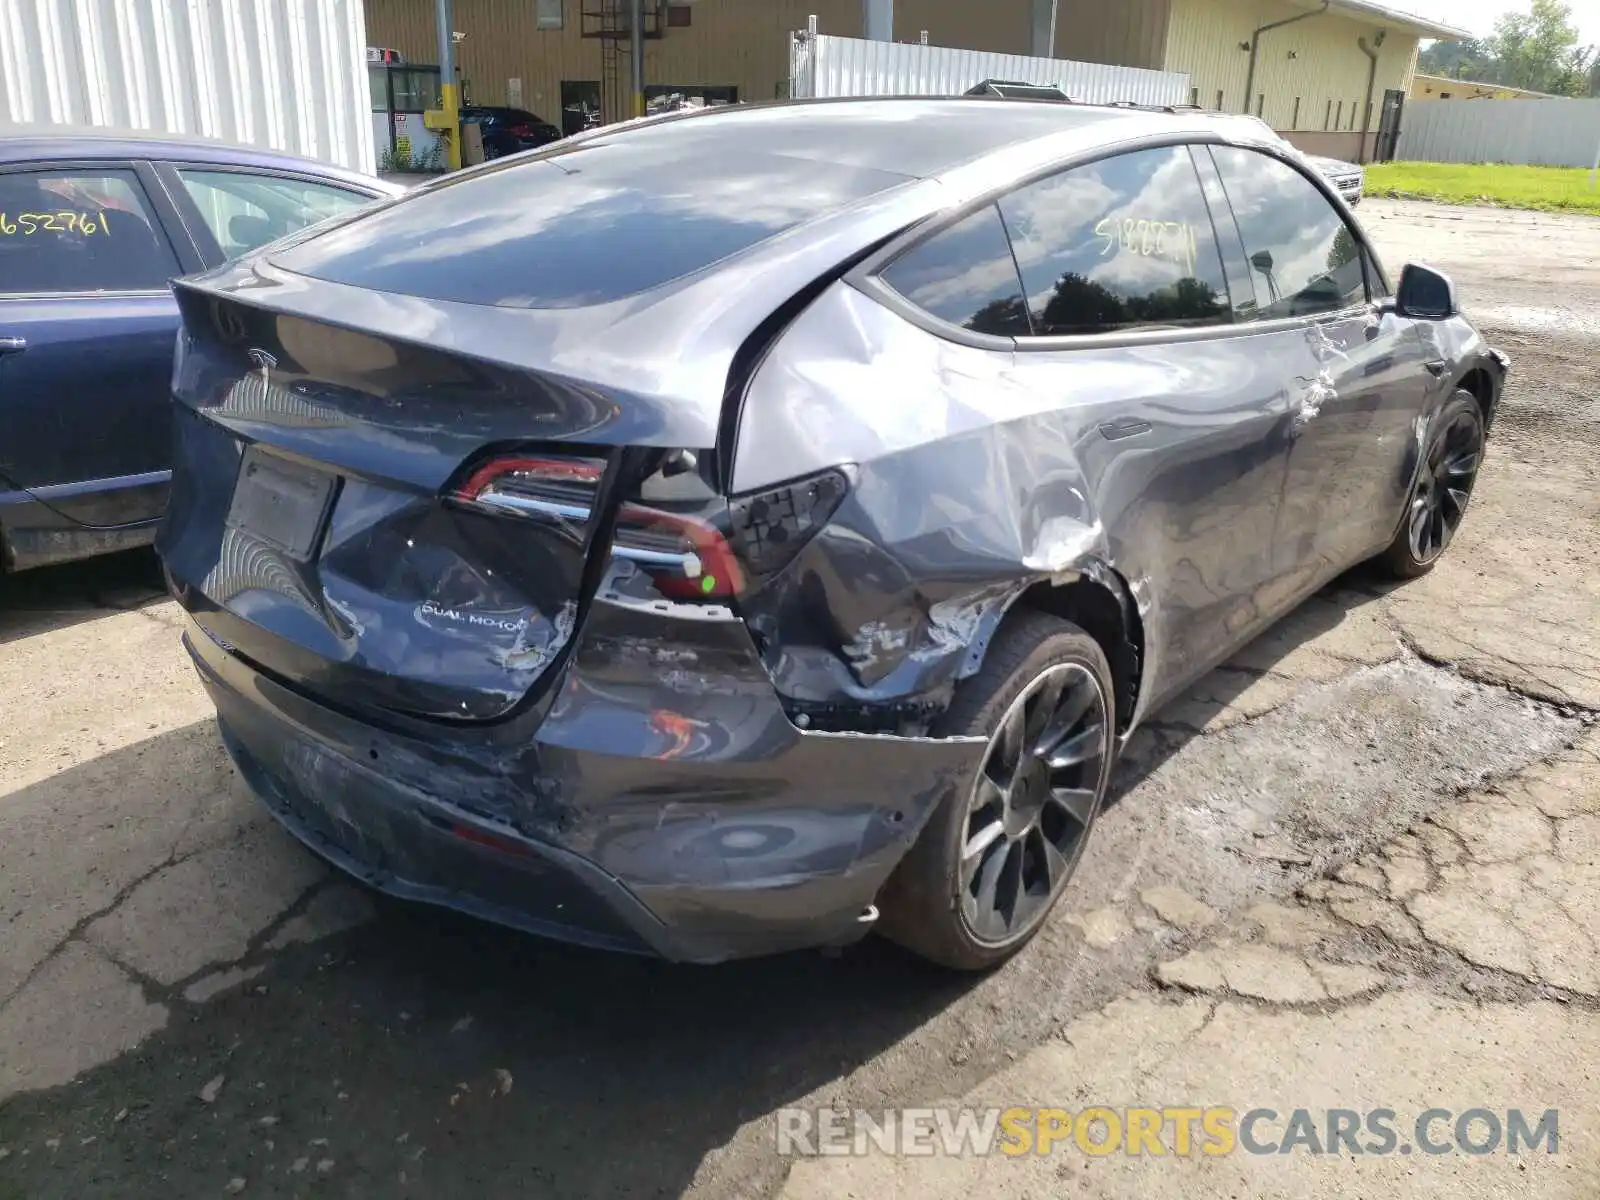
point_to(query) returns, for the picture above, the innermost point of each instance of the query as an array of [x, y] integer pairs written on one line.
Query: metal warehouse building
[[1318, 70]]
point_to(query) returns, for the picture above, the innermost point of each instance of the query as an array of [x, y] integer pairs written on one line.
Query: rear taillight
[[523, 131], [705, 556], [687, 557], [557, 490]]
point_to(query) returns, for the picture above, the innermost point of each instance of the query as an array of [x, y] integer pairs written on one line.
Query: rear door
[[1356, 407], [1179, 416], [87, 323]]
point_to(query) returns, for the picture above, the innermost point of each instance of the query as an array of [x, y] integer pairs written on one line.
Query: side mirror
[[1425, 294]]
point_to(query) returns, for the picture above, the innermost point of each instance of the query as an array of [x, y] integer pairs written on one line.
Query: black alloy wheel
[[1032, 802], [996, 855], [1438, 499]]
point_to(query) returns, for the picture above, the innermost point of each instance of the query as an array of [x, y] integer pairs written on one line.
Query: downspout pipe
[[1255, 47], [1372, 82]]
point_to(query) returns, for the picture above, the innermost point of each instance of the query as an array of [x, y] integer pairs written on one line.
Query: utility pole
[[877, 20], [636, 45], [1042, 39], [449, 94]]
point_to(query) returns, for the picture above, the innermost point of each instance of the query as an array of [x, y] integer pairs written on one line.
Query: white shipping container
[[285, 74], [823, 66]]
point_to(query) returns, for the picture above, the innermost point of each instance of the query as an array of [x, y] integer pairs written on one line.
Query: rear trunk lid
[[370, 519]]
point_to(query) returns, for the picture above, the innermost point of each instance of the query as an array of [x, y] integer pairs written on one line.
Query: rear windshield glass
[[596, 224]]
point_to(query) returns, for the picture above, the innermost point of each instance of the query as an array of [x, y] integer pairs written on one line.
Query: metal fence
[[823, 66], [1551, 133], [289, 74]]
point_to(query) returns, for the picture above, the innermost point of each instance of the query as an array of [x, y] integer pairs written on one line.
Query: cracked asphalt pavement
[[1357, 866]]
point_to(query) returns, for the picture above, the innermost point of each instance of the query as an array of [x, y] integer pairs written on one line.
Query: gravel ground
[[190, 1006]]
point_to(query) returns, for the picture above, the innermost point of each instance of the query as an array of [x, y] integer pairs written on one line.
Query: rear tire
[[997, 853], [1437, 502]]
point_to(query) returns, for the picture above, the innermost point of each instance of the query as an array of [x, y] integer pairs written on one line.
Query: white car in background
[[1349, 178]]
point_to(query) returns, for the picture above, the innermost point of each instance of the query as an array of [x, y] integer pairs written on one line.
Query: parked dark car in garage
[[93, 225], [743, 529], [509, 130]]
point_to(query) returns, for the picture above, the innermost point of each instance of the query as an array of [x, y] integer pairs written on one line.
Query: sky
[[1479, 16]]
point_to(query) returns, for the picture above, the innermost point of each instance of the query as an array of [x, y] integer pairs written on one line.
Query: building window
[[1353, 106], [1444, 95], [1261, 103], [679, 16], [1194, 97], [1219, 99], [1327, 117], [1338, 119], [1295, 124], [547, 14]]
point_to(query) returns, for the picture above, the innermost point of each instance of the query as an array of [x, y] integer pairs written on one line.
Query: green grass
[[1550, 189]]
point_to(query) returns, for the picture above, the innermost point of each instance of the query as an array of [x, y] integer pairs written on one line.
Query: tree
[[1457, 60], [1539, 50]]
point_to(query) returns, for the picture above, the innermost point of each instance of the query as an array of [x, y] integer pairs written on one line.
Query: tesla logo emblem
[[264, 362]]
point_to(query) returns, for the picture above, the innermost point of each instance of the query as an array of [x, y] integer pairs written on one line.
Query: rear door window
[[244, 210], [965, 275], [1125, 243], [1304, 258], [74, 231]]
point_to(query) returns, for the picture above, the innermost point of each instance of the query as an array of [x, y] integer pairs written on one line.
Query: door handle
[[1436, 367], [1123, 427], [13, 345]]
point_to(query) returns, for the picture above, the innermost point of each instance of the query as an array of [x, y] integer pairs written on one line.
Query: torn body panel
[[999, 470]]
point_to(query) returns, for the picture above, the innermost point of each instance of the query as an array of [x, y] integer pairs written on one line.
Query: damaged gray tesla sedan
[[711, 533]]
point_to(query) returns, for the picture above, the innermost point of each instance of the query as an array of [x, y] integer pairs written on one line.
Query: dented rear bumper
[[659, 802]]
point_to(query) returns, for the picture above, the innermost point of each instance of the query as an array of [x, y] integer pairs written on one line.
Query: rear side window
[[80, 231], [1304, 259], [1124, 243], [588, 226], [244, 210], [965, 275]]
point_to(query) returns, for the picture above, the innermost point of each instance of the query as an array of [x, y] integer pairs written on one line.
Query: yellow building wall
[[1129, 33], [1311, 76], [1439, 87], [738, 43]]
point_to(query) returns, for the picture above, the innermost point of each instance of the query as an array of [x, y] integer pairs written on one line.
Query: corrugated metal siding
[[1551, 133], [1131, 34], [290, 74], [830, 66], [1327, 72]]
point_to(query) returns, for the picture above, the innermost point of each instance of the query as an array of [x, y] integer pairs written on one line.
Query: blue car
[[93, 226]]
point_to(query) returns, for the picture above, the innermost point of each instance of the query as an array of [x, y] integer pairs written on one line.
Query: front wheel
[[1451, 456], [997, 854]]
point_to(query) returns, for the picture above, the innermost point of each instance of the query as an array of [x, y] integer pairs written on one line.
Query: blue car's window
[[1303, 258], [79, 231], [1124, 243], [244, 210], [965, 275], [592, 225]]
